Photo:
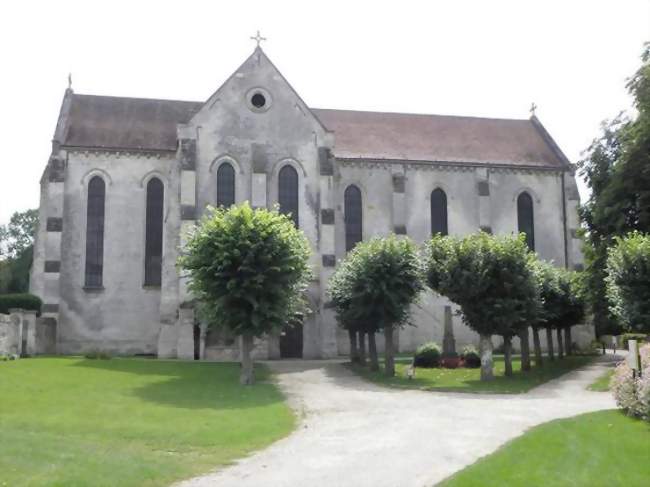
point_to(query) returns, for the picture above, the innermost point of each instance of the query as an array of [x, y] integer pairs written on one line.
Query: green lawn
[[602, 383], [468, 380], [602, 449], [129, 422]]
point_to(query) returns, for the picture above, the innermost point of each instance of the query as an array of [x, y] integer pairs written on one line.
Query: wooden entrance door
[[291, 341]]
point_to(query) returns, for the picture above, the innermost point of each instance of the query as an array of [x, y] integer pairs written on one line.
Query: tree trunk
[[539, 361], [362, 348], [567, 340], [525, 348], [560, 344], [372, 351], [354, 351], [549, 343], [246, 376], [507, 355], [389, 353], [486, 358]]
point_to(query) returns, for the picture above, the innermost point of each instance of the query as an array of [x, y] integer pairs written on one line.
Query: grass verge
[[468, 380], [129, 422], [600, 449]]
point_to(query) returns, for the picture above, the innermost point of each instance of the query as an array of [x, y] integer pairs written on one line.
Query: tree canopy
[[249, 268], [617, 171], [16, 249], [628, 281]]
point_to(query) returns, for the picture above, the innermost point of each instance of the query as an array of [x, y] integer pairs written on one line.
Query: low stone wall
[[22, 333]]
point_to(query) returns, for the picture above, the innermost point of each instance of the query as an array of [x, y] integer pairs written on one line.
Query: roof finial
[[533, 107], [258, 38], [69, 81]]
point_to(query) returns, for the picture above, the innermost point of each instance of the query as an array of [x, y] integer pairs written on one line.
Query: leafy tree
[[572, 305], [16, 249], [374, 287], [551, 298], [492, 280], [18, 235], [617, 171], [250, 270], [628, 281]]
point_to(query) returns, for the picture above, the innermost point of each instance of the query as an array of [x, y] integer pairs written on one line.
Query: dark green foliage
[[471, 357], [427, 355], [571, 304], [639, 337], [490, 277], [374, 286], [617, 170], [249, 268], [628, 281], [16, 242], [23, 301]]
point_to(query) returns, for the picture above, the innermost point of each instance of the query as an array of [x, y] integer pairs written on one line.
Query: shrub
[[97, 355], [471, 357], [633, 394], [639, 337], [24, 301], [427, 355]]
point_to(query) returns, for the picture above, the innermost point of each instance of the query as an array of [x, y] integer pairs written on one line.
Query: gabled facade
[[128, 177]]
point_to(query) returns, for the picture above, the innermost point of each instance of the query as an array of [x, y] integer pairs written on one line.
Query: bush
[[427, 355], [471, 357], [639, 337], [24, 301], [97, 355], [633, 394]]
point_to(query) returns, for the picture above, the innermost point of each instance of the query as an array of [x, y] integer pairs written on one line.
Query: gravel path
[[356, 434]]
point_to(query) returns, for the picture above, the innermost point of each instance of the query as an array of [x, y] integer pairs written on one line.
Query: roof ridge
[[411, 114], [114, 97]]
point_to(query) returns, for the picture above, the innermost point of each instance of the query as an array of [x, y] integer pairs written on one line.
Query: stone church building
[[128, 177]]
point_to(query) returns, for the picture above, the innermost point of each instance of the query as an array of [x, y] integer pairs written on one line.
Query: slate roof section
[[146, 124], [439, 138], [109, 122]]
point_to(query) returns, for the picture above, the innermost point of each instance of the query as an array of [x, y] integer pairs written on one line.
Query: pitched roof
[[147, 124], [440, 138]]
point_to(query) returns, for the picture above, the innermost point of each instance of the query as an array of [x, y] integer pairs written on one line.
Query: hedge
[[24, 301]]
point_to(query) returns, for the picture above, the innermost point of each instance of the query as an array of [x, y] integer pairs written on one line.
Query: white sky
[[463, 58]]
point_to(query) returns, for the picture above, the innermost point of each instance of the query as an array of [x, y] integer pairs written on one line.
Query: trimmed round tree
[[492, 280], [376, 284], [551, 300], [249, 270], [628, 281], [572, 306]]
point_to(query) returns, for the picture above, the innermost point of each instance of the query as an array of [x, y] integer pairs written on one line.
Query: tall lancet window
[[353, 217], [154, 233], [95, 233], [438, 212], [225, 185], [525, 218], [288, 192]]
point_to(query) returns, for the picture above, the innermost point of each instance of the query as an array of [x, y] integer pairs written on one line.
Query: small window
[[95, 233], [258, 100], [438, 212], [353, 217], [525, 218], [154, 233], [225, 185], [288, 192]]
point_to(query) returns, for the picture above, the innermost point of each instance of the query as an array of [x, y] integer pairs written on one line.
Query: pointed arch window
[[94, 268], [154, 233], [353, 217], [288, 192], [526, 219], [225, 185], [438, 212]]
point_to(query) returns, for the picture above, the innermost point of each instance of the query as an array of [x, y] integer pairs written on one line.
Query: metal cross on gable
[[258, 38], [533, 107]]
